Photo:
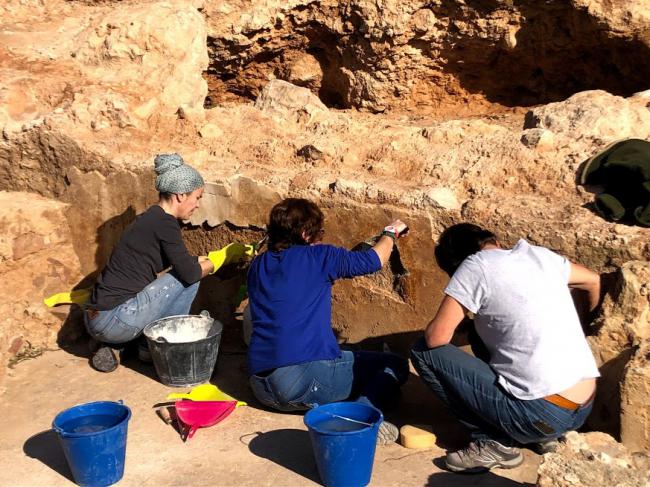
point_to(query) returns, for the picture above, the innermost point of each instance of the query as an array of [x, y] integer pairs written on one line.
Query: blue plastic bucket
[[344, 448], [93, 438]]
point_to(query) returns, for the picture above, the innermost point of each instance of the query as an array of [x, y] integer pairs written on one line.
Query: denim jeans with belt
[[166, 296], [370, 377], [468, 387]]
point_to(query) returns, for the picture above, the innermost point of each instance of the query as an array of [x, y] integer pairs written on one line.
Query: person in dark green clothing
[[622, 170]]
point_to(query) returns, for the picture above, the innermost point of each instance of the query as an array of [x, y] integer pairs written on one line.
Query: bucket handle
[[161, 339], [338, 416]]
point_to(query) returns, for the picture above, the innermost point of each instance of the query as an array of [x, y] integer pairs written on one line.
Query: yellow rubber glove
[[230, 254], [78, 296]]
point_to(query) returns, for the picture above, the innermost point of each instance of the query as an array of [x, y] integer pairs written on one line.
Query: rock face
[[438, 54], [100, 66], [635, 407], [593, 459], [620, 344], [37, 259]]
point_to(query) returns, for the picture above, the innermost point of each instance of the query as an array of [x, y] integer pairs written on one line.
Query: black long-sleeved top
[[152, 243]]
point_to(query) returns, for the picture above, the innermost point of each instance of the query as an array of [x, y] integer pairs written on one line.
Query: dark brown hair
[[458, 242], [290, 219]]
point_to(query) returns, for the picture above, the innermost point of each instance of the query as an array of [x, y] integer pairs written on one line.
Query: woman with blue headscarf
[[132, 290]]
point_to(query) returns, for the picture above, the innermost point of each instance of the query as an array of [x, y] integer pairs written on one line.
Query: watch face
[[390, 228]]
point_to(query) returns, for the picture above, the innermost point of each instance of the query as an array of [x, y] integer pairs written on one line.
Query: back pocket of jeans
[[117, 331], [262, 392], [314, 395], [543, 427], [97, 326]]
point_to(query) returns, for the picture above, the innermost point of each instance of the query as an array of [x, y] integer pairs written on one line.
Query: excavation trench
[[389, 308], [444, 63]]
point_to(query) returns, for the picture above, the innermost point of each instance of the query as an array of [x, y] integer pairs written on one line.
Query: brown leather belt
[[565, 403]]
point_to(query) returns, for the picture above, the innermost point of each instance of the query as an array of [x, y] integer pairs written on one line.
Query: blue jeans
[[374, 378], [468, 387], [166, 296]]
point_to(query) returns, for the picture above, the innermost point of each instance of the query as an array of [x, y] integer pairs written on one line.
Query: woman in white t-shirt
[[539, 378]]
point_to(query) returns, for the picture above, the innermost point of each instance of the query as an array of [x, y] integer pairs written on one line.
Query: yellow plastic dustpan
[[205, 392]]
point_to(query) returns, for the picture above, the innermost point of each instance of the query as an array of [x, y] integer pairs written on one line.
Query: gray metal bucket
[[184, 348]]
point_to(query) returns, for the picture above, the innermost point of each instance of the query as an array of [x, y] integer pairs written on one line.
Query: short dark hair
[[289, 219], [458, 242]]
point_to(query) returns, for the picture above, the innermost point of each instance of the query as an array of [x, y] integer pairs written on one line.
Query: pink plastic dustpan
[[201, 414]]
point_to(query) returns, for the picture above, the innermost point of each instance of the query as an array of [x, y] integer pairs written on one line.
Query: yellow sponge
[[416, 437]]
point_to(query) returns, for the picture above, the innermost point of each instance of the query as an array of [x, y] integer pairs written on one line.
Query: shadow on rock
[[46, 448], [289, 448], [487, 479], [72, 336]]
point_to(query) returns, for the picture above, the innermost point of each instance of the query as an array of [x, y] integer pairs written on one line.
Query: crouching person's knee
[[425, 358], [417, 353], [419, 347]]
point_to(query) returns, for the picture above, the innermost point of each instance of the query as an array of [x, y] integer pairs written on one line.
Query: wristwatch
[[390, 231]]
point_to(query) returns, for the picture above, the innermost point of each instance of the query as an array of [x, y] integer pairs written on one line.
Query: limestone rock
[[290, 101], [625, 318], [592, 459], [443, 198], [303, 70], [240, 201], [350, 188], [160, 46], [37, 258], [635, 407], [624, 326], [539, 139], [596, 114], [210, 131], [101, 67]]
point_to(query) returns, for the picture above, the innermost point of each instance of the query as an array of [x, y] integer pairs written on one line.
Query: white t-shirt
[[526, 318]]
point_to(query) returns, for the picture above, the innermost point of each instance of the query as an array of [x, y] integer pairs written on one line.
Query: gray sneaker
[[482, 455], [548, 446], [388, 433]]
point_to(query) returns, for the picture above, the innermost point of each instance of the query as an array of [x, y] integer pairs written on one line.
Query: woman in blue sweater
[[294, 360]]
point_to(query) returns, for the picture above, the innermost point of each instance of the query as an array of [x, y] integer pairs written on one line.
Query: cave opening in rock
[[540, 53]]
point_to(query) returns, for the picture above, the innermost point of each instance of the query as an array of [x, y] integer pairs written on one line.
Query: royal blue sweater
[[290, 296]]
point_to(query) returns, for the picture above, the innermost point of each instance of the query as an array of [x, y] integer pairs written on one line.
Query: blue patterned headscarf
[[174, 176]]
